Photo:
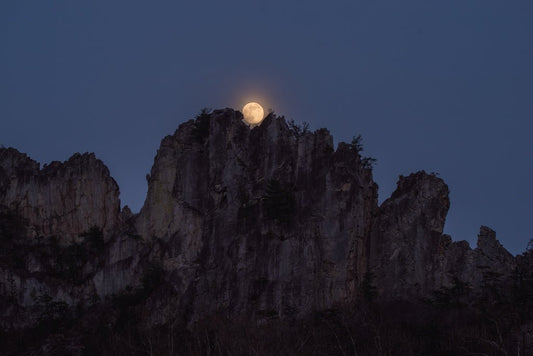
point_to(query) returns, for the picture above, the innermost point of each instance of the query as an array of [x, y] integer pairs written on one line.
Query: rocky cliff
[[61, 199], [267, 220], [407, 246], [263, 222], [411, 257]]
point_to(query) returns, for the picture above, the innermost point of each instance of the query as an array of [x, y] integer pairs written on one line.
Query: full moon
[[253, 113]]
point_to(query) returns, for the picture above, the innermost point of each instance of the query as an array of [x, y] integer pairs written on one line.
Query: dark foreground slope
[[263, 240]]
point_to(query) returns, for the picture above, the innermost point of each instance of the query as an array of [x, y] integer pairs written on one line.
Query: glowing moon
[[253, 113]]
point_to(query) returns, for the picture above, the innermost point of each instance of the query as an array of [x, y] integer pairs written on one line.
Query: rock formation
[[259, 220], [411, 258], [407, 246], [61, 199], [269, 221]]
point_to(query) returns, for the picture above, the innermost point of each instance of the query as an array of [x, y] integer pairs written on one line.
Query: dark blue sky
[[445, 86]]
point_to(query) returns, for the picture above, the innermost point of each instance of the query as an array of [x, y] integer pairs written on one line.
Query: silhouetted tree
[[368, 162], [357, 143], [357, 146], [201, 125], [298, 130]]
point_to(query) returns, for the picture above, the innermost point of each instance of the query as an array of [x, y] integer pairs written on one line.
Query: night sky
[[444, 86]]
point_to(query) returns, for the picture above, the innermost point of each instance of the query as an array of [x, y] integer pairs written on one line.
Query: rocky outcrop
[[410, 257], [61, 234], [268, 220], [263, 221], [61, 199], [489, 262], [490, 254], [407, 247]]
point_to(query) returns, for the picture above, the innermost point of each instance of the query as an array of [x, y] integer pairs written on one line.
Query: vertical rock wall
[[61, 199], [406, 244], [411, 258], [208, 199]]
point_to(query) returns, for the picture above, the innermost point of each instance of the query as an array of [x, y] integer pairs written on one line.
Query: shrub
[[368, 162], [455, 296], [153, 276], [94, 238], [278, 202], [357, 143], [51, 311], [298, 130], [70, 261], [12, 226], [201, 125], [357, 146]]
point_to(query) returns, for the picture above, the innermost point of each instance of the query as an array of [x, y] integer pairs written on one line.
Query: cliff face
[[44, 214], [411, 258], [269, 221], [61, 199], [266, 220], [406, 245]]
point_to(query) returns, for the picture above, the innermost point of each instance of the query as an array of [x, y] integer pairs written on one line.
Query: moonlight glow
[[253, 113]]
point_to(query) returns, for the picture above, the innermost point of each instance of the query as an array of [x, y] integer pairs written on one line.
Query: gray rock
[[208, 200], [61, 199], [263, 221], [411, 258], [407, 247]]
